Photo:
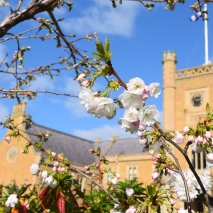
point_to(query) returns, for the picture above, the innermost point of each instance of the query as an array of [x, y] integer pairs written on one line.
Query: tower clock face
[[197, 100]]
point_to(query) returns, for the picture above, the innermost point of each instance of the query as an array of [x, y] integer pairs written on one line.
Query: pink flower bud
[[146, 89], [38, 19], [81, 77], [144, 96], [90, 151], [208, 134], [53, 154], [141, 127], [199, 140], [62, 169], [158, 156], [59, 169], [93, 175], [191, 138], [56, 164], [118, 175], [210, 156], [86, 167], [85, 83], [186, 129], [54, 169], [155, 175]]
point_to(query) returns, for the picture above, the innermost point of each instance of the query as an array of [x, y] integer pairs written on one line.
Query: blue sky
[[138, 38]]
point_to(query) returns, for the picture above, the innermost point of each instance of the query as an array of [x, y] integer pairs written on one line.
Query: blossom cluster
[[12, 200], [49, 180], [137, 116], [97, 106], [176, 182]]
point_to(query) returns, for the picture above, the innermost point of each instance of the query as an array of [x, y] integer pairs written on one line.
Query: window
[[199, 160], [132, 172]]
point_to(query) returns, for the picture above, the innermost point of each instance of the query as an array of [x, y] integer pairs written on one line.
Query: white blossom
[[12, 200], [130, 100], [154, 90], [179, 138], [53, 184], [86, 95], [49, 180], [34, 168], [130, 127], [44, 175], [131, 114], [129, 192], [131, 209], [3, 3], [103, 107], [136, 86], [155, 175], [148, 115]]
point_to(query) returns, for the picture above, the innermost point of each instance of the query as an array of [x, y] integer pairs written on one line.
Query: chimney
[[19, 110], [114, 138], [98, 140]]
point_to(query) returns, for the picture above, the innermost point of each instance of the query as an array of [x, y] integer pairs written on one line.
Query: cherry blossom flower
[[56, 164], [154, 90], [131, 127], [208, 134], [129, 192], [131, 209], [103, 107], [136, 86], [210, 156], [44, 174], [118, 175], [53, 184], [131, 114], [85, 83], [155, 175], [179, 138], [53, 154], [48, 180], [12, 200], [34, 169], [191, 138], [81, 77], [7, 139], [148, 115], [130, 100], [186, 129], [86, 95], [54, 169]]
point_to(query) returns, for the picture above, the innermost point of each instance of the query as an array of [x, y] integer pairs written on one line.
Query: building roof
[[76, 148]]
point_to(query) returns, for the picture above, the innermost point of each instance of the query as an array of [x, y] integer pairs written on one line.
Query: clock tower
[[186, 93]]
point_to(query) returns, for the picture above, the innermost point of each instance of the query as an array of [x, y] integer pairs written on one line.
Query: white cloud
[[105, 133], [42, 83], [3, 112], [77, 109], [103, 18]]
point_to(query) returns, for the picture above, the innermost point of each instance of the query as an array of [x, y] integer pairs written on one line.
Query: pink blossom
[[155, 175], [53, 154], [93, 175], [7, 139], [191, 138], [208, 134], [38, 19], [56, 164], [179, 138], [86, 167], [186, 129], [199, 140], [170, 172], [118, 175], [158, 156], [85, 83], [59, 169], [131, 209], [90, 151], [54, 169], [146, 89], [62, 169], [144, 96], [172, 201], [210, 156], [81, 77], [205, 141], [141, 127]]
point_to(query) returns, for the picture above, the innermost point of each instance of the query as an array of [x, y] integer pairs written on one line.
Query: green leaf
[[107, 45], [97, 55], [208, 109], [100, 48], [23, 190]]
